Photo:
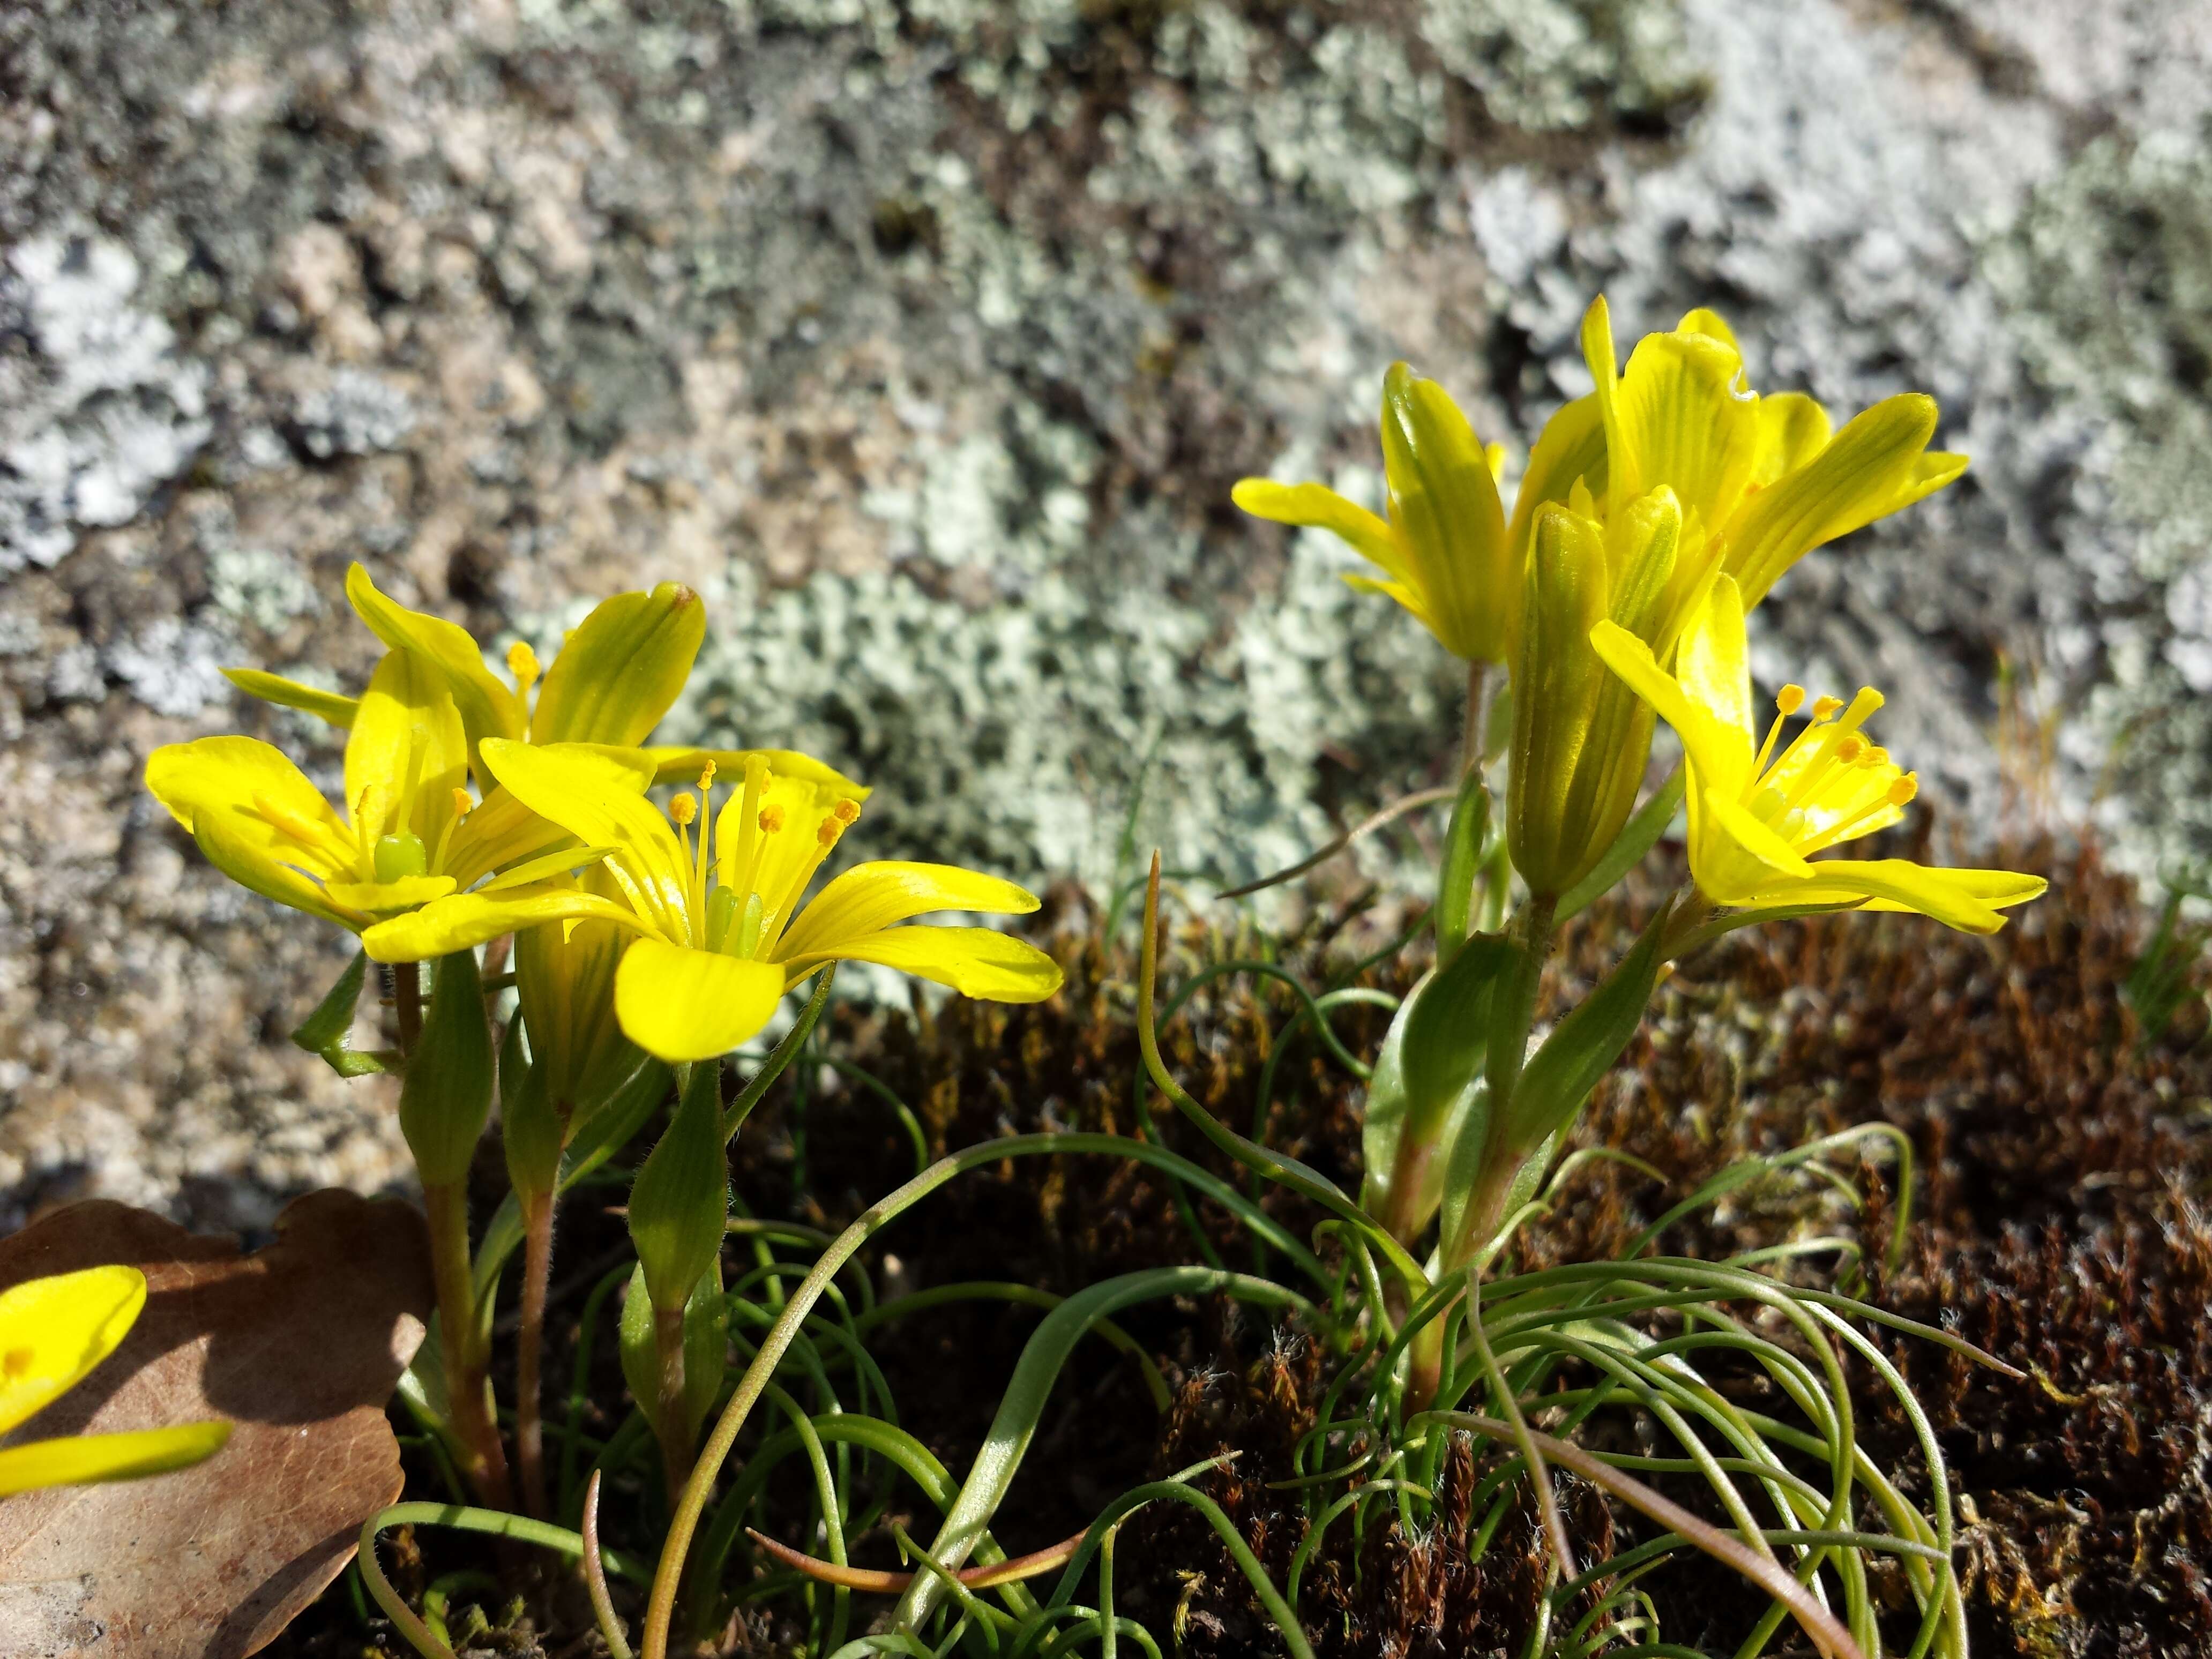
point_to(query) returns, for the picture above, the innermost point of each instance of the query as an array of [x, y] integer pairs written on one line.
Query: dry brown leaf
[[299, 1346]]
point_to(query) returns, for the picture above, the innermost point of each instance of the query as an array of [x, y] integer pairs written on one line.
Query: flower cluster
[[1652, 515], [472, 811]]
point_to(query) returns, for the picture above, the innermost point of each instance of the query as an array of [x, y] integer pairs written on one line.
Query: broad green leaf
[[446, 1097]]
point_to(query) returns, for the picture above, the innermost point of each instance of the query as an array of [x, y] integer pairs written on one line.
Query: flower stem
[[673, 1417], [530, 1348], [468, 1390], [407, 993], [1474, 735]]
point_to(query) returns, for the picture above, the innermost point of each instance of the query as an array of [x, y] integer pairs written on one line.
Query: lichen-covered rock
[[925, 337]]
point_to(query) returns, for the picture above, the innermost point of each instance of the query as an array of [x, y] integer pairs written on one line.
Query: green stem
[[1474, 734], [671, 1416], [530, 1349], [468, 1388]]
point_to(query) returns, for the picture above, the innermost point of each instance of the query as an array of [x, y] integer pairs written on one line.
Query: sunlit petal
[[54, 1330], [975, 962], [683, 1004]]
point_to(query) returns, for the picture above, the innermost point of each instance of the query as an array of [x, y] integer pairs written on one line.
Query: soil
[[2063, 1152]]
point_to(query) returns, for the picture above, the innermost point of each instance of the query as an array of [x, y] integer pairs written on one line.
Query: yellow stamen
[[771, 819], [848, 810], [682, 809], [1825, 707], [522, 663], [282, 817], [1791, 699], [829, 828], [1905, 789], [1851, 749], [462, 805], [706, 777]]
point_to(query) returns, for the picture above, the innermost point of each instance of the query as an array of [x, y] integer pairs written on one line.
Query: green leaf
[[445, 1099], [1463, 847], [531, 1131], [332, 706], [1448, 1030], [1636, 837], [617, 675], [326, 1031], [680, 1199], [1583, 1047]]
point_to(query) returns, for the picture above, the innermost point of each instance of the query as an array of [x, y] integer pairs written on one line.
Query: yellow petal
[[383, 897], [976, 962], [54, 1330], [617, 675], [870, 897], [464, 920], [1399, 594], [683, 1004], [1792, 430], [592, 794], [1714, 667], [1684, 419], [84, 1458], [258, 819], [487, 707], [1316, 507], [1750, 853], [683, 765], [407, 753], [1701, 320], [565, 861], [500, 832], [1445, 507], [1720, 755], [332, 706], [1901, 884], [1871, 467]]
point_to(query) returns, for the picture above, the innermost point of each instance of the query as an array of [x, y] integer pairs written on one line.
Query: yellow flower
[[721, 934], [52, 1332], [1581, 737], [1761, 481], [1756, 817], [1443, 549], [408, 832]]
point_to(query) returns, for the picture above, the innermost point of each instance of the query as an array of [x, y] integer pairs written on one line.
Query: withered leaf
[[300, 1344]]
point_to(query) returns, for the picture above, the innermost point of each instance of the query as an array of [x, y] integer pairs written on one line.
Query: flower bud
[[564, 978], [1580, 739], [1443, 504], [446, 1094], [680, 1199]]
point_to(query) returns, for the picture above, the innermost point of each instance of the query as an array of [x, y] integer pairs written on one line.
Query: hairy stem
[[468, 1388], [530, 1348], [672, 1417]]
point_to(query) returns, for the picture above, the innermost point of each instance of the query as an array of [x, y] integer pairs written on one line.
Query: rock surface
[[926, 340]]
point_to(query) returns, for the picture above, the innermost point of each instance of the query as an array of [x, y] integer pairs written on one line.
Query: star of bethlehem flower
[[408, 831], [1756, 816], [1759, 480], [720, 931], [52, 1332]]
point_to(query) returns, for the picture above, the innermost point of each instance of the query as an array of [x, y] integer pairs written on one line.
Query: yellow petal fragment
[[976, 962], [1753, 854], [617, 673], [1714, 667], [1571, 450], [870, 897], [1316, 507], [1792, 430], [683, 1004], [463, 920], [487, 707], [85, 1458], [332, 706], [54, 1330]]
